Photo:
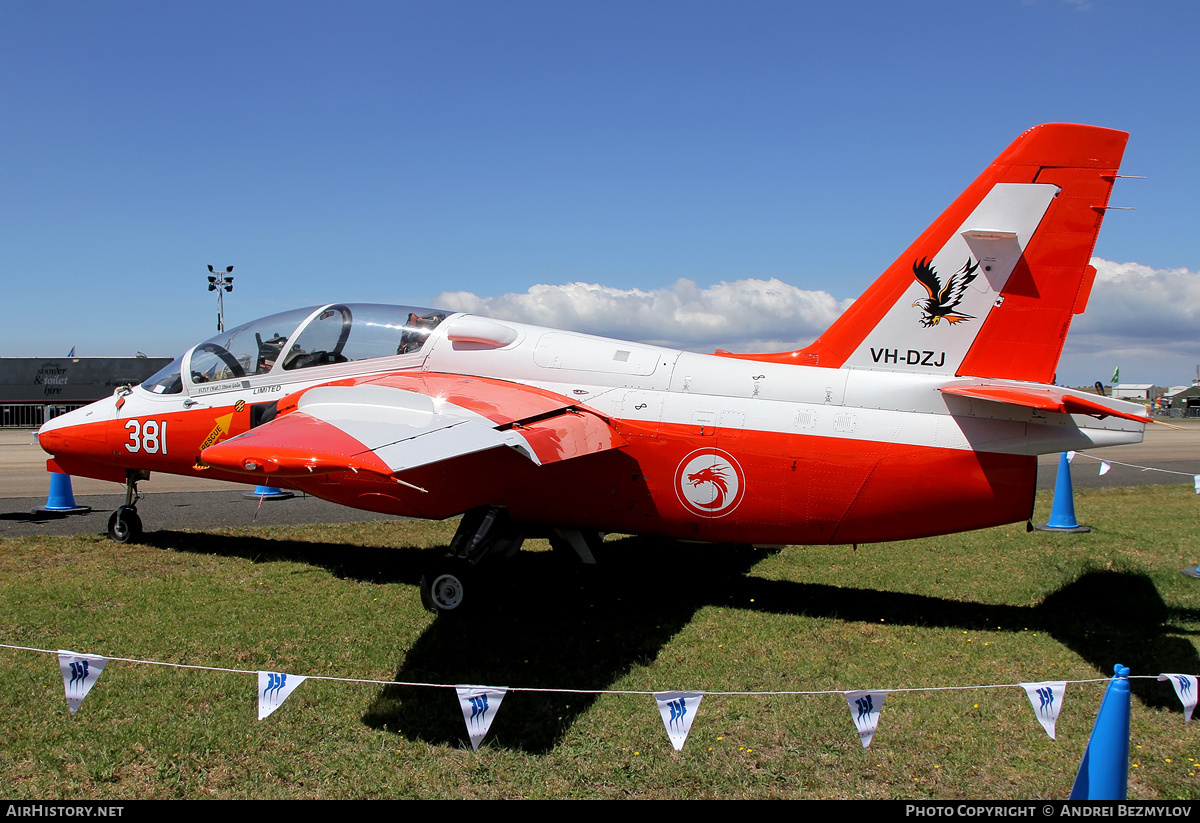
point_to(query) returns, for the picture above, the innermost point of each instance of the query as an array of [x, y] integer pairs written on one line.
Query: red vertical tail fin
[[989, 289]]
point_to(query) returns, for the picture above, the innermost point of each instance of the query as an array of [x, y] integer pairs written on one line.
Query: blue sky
[[408, 152]]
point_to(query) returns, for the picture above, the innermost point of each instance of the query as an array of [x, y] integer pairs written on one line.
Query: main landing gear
[[444, 585], [448, 586], [124, 525], [451, 586]]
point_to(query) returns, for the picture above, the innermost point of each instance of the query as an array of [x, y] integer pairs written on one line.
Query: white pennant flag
[[1185, 688], [479, 706], [1196, 480], [865, 707], [273, 689], [1104, 467], [1070, 456], [79, 673], [678, 710], [1047, 700]]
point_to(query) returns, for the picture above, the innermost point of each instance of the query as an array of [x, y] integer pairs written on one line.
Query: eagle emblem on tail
[[942, 300]]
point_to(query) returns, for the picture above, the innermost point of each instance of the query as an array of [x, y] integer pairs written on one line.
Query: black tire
[[124, 525], [445, 587]]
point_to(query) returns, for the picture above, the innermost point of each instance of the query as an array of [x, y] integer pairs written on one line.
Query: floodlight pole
[[220, 282]]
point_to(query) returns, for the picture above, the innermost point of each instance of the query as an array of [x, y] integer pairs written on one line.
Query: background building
[[36, 389], [1135, 391]]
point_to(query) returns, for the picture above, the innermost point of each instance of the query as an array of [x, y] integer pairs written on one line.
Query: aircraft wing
[[1050, 398], [391, 424]]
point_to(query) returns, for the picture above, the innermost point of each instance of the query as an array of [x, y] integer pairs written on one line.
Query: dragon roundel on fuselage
[[716, 476]]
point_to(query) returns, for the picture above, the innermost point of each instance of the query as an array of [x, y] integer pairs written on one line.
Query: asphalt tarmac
[[195, 503], [167, 501]]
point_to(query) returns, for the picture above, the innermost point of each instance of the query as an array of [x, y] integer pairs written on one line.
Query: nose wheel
[[124, 525]]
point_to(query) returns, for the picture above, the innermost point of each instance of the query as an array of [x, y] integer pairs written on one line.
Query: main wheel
[[444, 587], [124, 525]]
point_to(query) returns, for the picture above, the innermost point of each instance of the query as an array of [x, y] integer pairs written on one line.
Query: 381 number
[[149, 437]]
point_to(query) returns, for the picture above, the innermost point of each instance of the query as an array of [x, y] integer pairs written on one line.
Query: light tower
[[220, 282]]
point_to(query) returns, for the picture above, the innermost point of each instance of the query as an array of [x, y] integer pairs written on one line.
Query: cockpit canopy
[[301, 339]]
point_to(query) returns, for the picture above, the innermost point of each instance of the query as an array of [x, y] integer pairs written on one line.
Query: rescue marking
[[221, 428]]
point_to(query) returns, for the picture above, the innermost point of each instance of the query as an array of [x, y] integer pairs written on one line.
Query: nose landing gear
[[124, 525]]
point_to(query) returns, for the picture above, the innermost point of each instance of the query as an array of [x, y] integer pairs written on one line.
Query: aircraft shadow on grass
[[547, 622]]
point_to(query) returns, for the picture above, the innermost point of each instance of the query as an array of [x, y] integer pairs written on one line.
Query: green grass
[[998, 606]]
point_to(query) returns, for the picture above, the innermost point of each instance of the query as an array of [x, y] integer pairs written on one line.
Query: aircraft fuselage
[[714, 447]]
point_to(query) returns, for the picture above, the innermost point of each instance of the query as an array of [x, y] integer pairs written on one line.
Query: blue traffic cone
[[268, 493], [61, 499], [1062, 511], [1104, 770]]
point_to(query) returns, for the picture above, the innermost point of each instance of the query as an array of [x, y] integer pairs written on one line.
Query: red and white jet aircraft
[[921, 411]]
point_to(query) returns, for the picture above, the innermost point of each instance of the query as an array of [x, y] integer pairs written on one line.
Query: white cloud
[[1143, 319], [745, 315], [1132, 304]]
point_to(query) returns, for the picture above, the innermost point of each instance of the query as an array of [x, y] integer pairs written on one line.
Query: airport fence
[[32, 415]]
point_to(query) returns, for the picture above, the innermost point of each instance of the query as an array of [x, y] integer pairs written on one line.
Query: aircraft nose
[[77, 431]]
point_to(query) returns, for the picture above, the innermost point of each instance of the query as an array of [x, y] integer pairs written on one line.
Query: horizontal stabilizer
[[1051, 398]]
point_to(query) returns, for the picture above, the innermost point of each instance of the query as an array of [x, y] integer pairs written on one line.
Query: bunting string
[[678, 709], [1131, 465], [417, 684]]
